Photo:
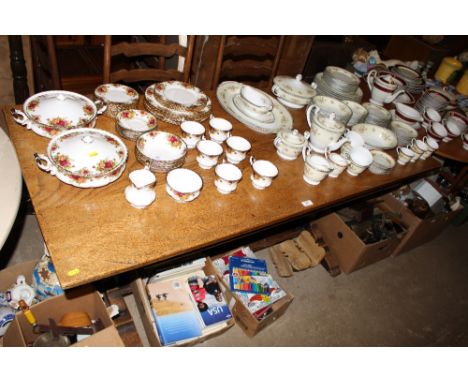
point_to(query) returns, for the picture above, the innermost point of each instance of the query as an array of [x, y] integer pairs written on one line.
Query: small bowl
[[183, 185], [117, 97], [132, 123], [256, 98]]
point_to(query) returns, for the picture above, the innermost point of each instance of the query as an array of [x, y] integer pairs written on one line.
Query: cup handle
[[412, 142], [274, 89], [276, 141], [398, 150], [315, 109], [306, 136], [370, 78], [252, 160], [424, 139], [305, 152]]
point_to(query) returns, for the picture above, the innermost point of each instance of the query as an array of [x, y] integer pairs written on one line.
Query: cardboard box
[[20, 332], [246, 320], [144, 308], [420, 231], [9, 275], [351, 252]]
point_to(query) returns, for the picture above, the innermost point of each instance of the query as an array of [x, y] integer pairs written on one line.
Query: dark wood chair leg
[[18, 68]]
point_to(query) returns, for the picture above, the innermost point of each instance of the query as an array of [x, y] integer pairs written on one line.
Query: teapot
[[383, 88], [325, 132], [289, 144]]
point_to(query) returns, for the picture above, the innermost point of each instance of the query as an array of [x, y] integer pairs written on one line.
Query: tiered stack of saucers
[[377, 115], [414, 82], [338, 83], [293, 92], [175, 102]]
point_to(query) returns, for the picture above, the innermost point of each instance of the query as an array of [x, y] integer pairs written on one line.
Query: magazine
[[208, 299]]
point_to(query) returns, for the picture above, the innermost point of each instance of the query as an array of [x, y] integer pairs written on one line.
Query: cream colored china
[[403, 132], [236, 149], [227, 177], [383, 88], [337, 162], [220, 129], [161, 150], [183, 185], [382, 163], [327, 106], [252, 111], [84, 158], [52, 112], [226, 92], [360, 159], [256, 98], [289, 144], [376, 136], [132, 123], [404, 155], [293, 92], [359, 112], [192, 132], [324, 130], [316, 167], [208, 153], [263, 173], [117, 97], [140, 193], [419, 147]]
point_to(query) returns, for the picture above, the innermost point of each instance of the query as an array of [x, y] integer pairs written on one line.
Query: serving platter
[[376, 136], [226, 92]]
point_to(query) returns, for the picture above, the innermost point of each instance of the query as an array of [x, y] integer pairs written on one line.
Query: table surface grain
[[93, 234]]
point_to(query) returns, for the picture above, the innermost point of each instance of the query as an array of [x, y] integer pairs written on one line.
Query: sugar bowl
[[289, 144]]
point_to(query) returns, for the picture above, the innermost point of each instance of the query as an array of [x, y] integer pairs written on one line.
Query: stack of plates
[[231, 100], [434, 98], [338, 83], [404, 132], [414, 82], [175, 102], [377, 115]]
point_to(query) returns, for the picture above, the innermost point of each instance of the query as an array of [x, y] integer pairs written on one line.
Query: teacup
[[220, 129], [192, 132], [437, 131], [208, 153], [418, 147], [360, 159], [432, 146], [316, 168], [407, 114], [338, 164], [453, 130], [263, 173], [404, 155], [237, 148], [227, 177], [353, 140], [430, 115]]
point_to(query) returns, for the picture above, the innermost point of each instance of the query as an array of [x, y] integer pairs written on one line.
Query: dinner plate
[[226, 92], [116, 93]]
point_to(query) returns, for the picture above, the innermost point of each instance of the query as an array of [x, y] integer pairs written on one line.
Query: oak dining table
[[93, 234]]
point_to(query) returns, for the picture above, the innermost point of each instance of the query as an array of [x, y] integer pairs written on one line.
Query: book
[[249, 275], [174, 314], [209, 300]]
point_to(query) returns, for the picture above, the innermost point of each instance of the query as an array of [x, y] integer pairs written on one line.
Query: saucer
[[242, 106]]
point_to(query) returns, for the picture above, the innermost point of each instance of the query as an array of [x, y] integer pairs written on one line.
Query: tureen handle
[[44, 164], [101, 106], [305, 152], [252, 160], [274, 90], [314, 85], [306, 136], [21, 118]]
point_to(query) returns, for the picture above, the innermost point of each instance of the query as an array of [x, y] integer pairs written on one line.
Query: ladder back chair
[[250, 59], [147, 59]]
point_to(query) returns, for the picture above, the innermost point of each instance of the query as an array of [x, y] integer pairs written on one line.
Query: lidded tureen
[[293, 92]]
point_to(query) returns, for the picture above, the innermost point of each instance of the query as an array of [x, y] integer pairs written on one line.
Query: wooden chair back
[[45, 64], [148, 59], [250, 59]]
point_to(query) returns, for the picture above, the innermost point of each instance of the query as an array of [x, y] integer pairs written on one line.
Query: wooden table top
[[453, 150], [92, 234]]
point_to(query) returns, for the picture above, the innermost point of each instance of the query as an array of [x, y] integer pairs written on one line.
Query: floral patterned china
[[84, 158], [376, 136], [52, 112], [252, 111], [117, 97], [160, 150], [293, 92], [132, 123], [327, 105], [183, 185], [382, 163], [228, 90]]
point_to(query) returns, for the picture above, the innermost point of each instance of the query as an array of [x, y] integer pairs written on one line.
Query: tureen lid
[[87, 152], [293, 137], [295, 86]]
